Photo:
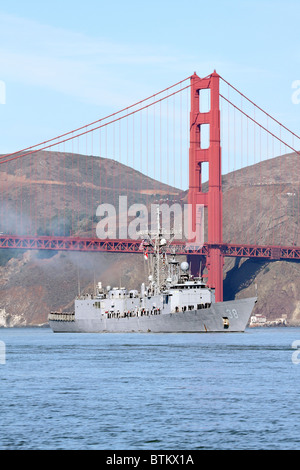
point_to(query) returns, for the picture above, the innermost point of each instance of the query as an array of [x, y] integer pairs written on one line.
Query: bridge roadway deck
[[63, 243]]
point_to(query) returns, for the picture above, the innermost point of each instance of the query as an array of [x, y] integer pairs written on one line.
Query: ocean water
[[149, 391]]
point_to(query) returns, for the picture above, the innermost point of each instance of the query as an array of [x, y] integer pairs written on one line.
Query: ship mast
[[157, 249], [159, 244]]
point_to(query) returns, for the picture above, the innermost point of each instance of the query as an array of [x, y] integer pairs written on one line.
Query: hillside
[[259, 203], [52, 192]]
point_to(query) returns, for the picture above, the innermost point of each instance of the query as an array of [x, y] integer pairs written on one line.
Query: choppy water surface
[[150, 391]]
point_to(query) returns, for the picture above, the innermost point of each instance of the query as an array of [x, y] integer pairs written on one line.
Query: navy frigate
[[172, 301]]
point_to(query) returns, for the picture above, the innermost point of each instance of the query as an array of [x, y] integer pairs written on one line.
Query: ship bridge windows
[[188, 286]]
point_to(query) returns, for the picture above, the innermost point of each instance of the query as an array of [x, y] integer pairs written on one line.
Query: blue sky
[[67, 63]]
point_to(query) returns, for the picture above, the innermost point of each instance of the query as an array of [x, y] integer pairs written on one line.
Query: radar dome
[[184, 266]]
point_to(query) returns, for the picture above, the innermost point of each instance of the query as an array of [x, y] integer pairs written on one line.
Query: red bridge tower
[[213, 198]]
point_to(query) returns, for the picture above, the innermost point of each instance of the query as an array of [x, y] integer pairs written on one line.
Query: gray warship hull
[[231, 316]]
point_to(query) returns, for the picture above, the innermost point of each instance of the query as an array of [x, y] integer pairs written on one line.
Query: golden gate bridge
[[175, 146]]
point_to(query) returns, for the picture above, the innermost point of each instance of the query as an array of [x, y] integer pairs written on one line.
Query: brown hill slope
[[52, 192]]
